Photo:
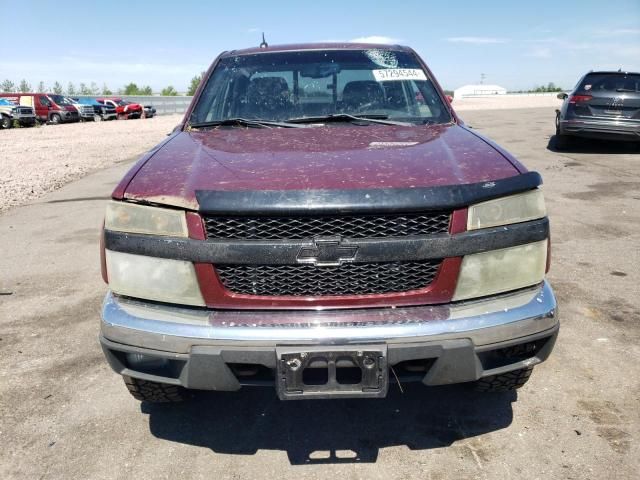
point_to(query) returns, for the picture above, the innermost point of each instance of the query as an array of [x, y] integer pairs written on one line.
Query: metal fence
[[163, 105]]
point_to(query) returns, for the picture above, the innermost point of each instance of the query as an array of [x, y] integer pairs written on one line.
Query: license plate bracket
[[334, 372]]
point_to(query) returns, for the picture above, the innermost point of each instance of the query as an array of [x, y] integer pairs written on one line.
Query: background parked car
[[10, 113], [86, 112], [604, 105], [100, 111], [48, 107], [149, 111], [124, 108]]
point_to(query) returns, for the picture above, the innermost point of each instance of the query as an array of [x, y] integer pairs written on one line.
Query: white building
[[475, 90]]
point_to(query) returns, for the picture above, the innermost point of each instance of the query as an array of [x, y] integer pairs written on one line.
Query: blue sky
[[516, 44]]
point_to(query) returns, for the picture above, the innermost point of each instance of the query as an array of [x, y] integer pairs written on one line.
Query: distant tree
[[105, 90], [8, 86], [24, 86], [146, 90], [71, 90], [195, 82], [93, 89], [131, 89], [550, 87], [169, 91], [57, 88], [83, 89], [42, 87]]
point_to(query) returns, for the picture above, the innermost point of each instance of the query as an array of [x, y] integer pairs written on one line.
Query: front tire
[[55, 119], [97, 118], [6, 122], [154, 392], [505, 381]]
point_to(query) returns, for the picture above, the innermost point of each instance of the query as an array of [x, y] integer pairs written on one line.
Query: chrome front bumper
[[202, 349], [175, 329]]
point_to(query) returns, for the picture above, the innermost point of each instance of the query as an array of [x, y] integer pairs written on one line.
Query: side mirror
[[450, 98], [562, 96]]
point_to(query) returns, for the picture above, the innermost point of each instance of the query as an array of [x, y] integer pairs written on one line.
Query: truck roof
[[295, 47]]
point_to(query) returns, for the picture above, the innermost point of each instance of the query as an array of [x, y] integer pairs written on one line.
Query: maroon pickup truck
[[323, 222]]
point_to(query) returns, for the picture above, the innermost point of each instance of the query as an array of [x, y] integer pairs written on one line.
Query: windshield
[[122, 103], [290, 85], [59, 100]]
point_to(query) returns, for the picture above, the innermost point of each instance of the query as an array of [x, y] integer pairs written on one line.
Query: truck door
[[43, 105]]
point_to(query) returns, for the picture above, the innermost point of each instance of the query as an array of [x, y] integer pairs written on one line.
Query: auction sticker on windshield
[[398, 74]]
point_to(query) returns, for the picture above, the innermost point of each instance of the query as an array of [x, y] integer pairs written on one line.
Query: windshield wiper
[[346, 117], [245, 122]]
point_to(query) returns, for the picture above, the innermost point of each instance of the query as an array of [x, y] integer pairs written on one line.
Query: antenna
[[264, 43]]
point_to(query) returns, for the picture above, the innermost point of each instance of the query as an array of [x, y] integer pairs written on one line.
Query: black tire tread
[[154, 392], [5, 122], [505, 381]]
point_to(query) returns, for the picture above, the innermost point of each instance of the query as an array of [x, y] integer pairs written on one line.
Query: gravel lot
[[38, 160], [65, 414]]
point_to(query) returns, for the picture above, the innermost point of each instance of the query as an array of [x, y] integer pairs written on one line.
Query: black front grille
[[350, 226], [346, 279]]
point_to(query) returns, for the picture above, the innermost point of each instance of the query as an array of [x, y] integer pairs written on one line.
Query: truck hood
[[331, 157]]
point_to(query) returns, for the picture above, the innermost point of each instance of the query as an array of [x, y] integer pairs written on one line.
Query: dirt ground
[[64, 414], [37, 160]]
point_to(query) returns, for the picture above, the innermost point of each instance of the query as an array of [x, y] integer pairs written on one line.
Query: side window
[[429, 103], [44, 101]]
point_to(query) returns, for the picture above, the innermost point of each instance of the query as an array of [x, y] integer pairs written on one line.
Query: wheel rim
[[97, 118], [55, 119]]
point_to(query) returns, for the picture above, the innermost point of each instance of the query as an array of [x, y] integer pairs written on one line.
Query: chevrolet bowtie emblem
[[327, 252]]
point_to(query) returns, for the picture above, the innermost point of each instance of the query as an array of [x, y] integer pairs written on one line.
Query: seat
[[362, 94], [268, 98]]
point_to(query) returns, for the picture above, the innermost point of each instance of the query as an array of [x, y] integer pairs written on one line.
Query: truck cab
[[11, 113]]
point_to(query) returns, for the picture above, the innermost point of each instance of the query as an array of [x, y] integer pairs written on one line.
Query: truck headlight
[[497, 271], [133, 218], [161, 279], [503, 211]]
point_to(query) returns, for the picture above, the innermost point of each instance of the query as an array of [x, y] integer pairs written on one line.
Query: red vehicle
[[124, 108], [49, 107], [312, 225]]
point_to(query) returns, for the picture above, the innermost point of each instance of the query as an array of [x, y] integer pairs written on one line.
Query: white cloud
[[254, 30], [376, 39], [477, 40], [540, 52]]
